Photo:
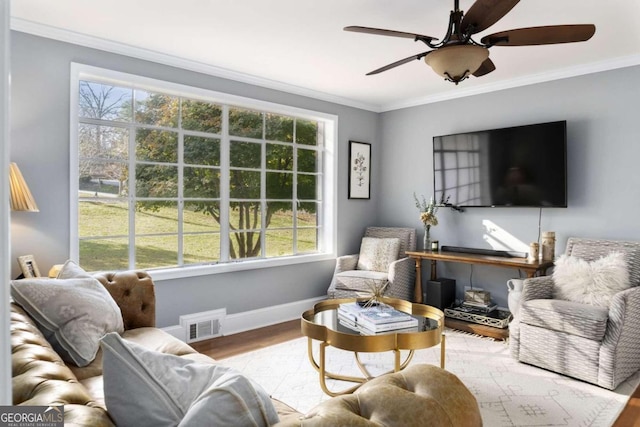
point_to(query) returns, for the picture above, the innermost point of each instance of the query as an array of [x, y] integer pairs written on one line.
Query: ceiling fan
[[458, 56]]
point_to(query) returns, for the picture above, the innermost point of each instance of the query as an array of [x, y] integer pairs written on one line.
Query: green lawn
[[201, 242]]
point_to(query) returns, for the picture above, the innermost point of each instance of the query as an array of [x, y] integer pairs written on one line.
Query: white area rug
[[509, 393]]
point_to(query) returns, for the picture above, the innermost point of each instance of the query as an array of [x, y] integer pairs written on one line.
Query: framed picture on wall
[[28, 266], [359, 170]]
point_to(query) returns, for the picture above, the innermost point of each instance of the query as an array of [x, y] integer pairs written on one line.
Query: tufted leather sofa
[[422, 394]]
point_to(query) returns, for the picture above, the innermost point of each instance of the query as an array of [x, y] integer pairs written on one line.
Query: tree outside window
[[182, 198]]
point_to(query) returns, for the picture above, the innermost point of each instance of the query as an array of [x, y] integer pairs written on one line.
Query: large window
[[170, 176]]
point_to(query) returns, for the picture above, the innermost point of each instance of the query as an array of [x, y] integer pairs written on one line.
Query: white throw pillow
[[376, 254], [147, 388], [73, 313], [71, 270], [594, 282]]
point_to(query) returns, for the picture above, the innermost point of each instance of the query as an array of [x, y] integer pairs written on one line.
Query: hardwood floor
[[222, 347], [630, 415]]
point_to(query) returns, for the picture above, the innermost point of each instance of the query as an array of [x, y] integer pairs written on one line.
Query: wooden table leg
[[433, 269], [417, 289]]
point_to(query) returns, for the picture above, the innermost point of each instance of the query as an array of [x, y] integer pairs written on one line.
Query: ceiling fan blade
[[485, 68], [551, 34], [392, 33], [484, 13], [400, 62]]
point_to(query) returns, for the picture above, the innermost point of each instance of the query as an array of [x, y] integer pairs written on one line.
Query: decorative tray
[[498, 318]]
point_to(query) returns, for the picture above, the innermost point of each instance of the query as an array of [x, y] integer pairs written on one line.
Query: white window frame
[[327, 216]]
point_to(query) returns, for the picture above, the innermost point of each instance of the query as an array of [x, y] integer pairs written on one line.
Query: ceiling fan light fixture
[[456, 63]]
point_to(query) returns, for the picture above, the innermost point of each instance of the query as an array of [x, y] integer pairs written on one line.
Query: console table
[[530, 267]]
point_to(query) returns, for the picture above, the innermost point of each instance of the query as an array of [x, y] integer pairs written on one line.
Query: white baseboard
[[253, 319]]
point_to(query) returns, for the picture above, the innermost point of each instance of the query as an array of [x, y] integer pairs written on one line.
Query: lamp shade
[[456, 63], [21, 198]]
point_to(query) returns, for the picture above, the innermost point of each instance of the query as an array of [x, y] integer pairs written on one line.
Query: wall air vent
[[202, 326]]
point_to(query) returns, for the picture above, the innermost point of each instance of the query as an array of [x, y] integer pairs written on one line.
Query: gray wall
[[40, 146], [603, 148], [5, 334], [603, 166]]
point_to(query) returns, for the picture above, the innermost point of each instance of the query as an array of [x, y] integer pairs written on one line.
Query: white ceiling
[[299, 45]]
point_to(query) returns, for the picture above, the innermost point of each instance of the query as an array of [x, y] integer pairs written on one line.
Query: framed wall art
[[28, 266], [359, 170]]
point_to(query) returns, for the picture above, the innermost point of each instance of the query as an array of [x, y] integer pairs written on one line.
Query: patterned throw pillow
[[594, 282], [147, 388], [73, 313], [377, 254]]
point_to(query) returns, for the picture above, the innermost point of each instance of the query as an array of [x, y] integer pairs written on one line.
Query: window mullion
[[132, 190], [321, 196], [263, 189], [296, 202], [225, 149], [180, 204]]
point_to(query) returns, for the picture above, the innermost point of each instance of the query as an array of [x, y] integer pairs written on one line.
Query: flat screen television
[[516, 166]]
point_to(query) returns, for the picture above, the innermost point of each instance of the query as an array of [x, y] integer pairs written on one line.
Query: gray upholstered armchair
[[596, 344], [351, 279]]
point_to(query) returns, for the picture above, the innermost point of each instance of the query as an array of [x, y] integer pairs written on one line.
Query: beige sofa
[[40, 377]]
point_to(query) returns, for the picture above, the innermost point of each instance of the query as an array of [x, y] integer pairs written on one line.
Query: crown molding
[[37, 29], [565, 73], [67, 36]]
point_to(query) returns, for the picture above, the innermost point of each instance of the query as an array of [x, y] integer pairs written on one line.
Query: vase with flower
[[428, 216]]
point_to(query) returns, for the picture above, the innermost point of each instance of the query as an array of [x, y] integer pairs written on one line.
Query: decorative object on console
[[21, 197], [428, 216], [548, 245], [359, 170], [534, 252], [28, 266]]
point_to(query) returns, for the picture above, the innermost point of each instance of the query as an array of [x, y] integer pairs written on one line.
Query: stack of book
[[377, 319], [480, 307]]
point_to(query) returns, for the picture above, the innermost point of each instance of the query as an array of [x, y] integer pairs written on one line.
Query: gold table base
[[314, 327], [320, 367]]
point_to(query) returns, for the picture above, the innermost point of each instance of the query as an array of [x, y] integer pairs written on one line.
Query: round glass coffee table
[[322, 323]]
